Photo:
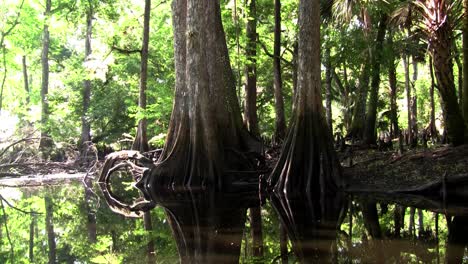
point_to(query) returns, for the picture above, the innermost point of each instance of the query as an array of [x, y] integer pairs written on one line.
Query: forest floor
[[377, 171]]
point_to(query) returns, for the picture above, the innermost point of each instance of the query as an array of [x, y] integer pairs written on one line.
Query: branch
[[19, 209], [125, 51], [271, 55], [15, 23], [16, 143]]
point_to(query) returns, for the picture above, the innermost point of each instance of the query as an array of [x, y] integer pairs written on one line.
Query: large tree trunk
[[250, 114], [370, 133], [141, 139], [439, 37], [206, 138], [280, 120], [457, 239], [85, 124], [46, 142], [308, 162], [392, 79]]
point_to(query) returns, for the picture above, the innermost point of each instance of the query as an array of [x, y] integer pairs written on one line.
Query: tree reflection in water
[[311, 225], [207, 225]]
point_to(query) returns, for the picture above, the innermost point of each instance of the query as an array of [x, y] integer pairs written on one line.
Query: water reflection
[[74, 225]]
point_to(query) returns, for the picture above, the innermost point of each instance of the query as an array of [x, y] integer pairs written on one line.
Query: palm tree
[[438, 22]]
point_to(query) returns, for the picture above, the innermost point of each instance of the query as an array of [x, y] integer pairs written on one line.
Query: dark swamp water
[[70, 223]]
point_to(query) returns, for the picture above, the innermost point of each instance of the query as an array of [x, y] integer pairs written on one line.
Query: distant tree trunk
[[32, 226], [420, 222], [465, 61], [26, 80], [392, 79], [49, 206], [280, 121], [91, 213], [372, 225], [411, 221], [371, 119], [206, 137], [141, 139], [356, 131], [432, 127], [440, 32], [256, 231], [294, 70], [283, 244], [328, 87], [85, 124], [414, 105], [460, 75], [408, 95], [345, 95], [308, 153], [398, 220], [45, 142], [148, 225], [250, 114]]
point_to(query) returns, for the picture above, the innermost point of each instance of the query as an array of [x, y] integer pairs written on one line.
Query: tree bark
[[141, 140], [308, 162], [45, 142], [250, 114], [280, 121], [328, 88], [465, 62], [50, 229], [371, 119], [206, 138], [85, 124], [256, 231], [441, 52], [392, 79], [414, 105]]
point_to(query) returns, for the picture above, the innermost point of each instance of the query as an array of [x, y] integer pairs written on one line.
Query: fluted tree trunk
[[206, 137], [280, 119], [308, 162], [141, 140], [46, 142], [250, 113], [85, 124]]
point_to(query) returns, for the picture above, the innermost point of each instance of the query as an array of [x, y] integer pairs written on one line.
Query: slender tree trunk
[[250, 114], [408, 95], [420, 222], [85, 124], [465, 62], [328, 87], [283, 244], [371, 119], [26, 80], [414, 105], [411, 221], [31, 238], [359, 112], [256, 231], [2, 87], [460, 76], [91, 213], [432, 126], [148, 225], [141, 139], [45, 142], [280, 121], [392, 79], [50, 229], [295, 60]]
